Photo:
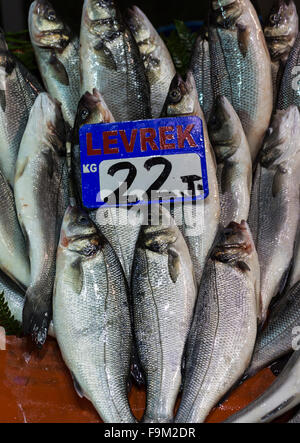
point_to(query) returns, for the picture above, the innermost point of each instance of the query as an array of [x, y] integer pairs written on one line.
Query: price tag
[[142, 162]]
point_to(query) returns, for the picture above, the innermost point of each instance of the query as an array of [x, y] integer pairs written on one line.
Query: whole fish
[[18, 91], [276, 340], [14, 259], [163, 296], [111, 61], [201, 69], [91, 317], [157, 60], [282, 396], [233, 156], [198, 222], [223, 332], [274, 211], [289, 93], [280, 31], [40, 201], [57, 54], [240, 65]]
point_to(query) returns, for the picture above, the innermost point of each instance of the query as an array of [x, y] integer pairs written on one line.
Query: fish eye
[[275, 19], [51, 16], [84, 114], [175, 95], [83, 220]]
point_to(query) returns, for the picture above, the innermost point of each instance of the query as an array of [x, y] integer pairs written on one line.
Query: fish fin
[[3, 100], [59, 70], [37, 316], [107, 59], [77, 275], [225, 182], [243, 39], [21, 169], [278, 181], [243, 266], [174, 265], [47, 153], [77, 386]]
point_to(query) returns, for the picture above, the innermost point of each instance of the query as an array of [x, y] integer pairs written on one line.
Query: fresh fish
[[289, 93], [274, 211], [57, 54], [233, 156], [18, 91], [241, 68], [111, 62], [201, 68], [158, 62], [40, 202], [276, 340], [282, 396], [280, 31], [223, 332], [14, 259], [198, 222], [163, 296], [91, 317]]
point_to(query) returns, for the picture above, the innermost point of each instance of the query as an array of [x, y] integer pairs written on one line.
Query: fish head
[[46, 28], [96, 10], [182, 99], [223, 131], [142, 30], [281, 28], [225, 13]]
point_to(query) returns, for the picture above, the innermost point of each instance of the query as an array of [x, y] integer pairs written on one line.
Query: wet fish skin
[[111, 62], [157, 60], [91, 316], [223, 331], [40, 166], [18, 91], [234, 171], [274, 211], [290, 85], [282, 396], [57, 54], [240, 65], [163, 297]]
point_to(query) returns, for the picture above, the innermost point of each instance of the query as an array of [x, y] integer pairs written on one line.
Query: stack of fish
[[191, 313]]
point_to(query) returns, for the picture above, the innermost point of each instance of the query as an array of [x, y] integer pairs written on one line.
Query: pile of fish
[[188, 309]]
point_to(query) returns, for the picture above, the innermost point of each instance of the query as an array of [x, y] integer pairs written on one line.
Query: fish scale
[[289, 93]]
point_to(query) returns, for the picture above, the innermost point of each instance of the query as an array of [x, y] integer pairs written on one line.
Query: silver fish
[[198, 222], [282, 396], [18, 91], [241, 67], [290, 85], [163, 296], [233, 156], [57, 54], [158, 62], [40, 202], [223, 332], [91, 317], [274, 211], [111, 62]]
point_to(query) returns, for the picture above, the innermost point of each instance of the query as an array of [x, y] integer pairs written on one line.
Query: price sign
[[142, 162]]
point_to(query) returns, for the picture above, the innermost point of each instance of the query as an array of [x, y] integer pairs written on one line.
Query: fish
[[282, 396], [111, 62], [290, 85], [281, 30], [164, 292], [91, 316], [274, 208], [241, 66], [223, 332], [198, 222], [157, 60], [14, 260], [18, 92], [294, 275], [201, 68], [57, 53], [41, 201], [276, 340], [234, 171]]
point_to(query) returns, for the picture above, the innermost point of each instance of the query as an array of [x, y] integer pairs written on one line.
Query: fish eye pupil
[[84, 113], [83, 220], [175, 95]]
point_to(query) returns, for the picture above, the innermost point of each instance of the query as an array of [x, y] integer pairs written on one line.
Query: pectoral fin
[[174, 265], [243, 39], [60, 72], [77, 386]]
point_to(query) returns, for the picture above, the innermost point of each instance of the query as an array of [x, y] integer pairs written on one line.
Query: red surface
[[35, 387]]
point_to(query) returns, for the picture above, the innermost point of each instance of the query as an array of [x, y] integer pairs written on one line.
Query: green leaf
[[7, 321]]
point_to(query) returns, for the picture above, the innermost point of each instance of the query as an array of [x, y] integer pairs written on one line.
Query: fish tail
[[36, 320]]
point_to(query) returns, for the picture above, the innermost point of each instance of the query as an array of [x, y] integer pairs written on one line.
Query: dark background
[[161, 12]]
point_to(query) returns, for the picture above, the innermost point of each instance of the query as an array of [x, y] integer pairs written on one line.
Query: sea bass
[[198, 222], [274, 211], [289, 93], [111, 61], [233, 156], [158, 62], [18, 91], [40, 201], [163, 296], [57, 54], [241, 67], [223, 332], [91, 317]]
